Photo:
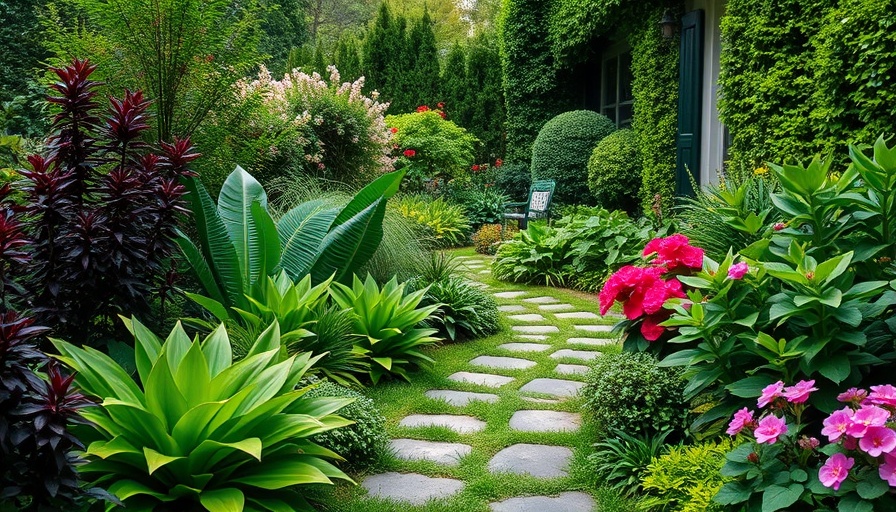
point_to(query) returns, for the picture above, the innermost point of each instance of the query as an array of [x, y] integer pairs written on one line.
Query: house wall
[[712, 151]]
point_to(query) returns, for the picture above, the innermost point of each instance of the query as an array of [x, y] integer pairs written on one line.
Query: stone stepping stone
[[571, 369], [532, 459], [535, 329], [545, 421], [481, 286], [460, 398], [530, 317], [464, 257], [524, 347], [594, 328], [481, 379], [536, 337], [565, 502], [475, 266], [556, 307], [584, 355], [510, 295], [448, 454], [540, 400], [512, 308], [596, 342], [486, 271], [459, 424], [555, 387], [577, 314], [505, 363], [541, 300], [410, 488]]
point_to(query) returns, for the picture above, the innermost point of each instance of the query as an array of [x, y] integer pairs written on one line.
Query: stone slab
[[534, 400], [481, 379], [536, 337], [448, 454], [510, 295], [577, 314], [535, 329], [594, 328], [486, 271], [584, 355], [525, 347], [506, 363], [475, 266], [532, 459], [411, 487], [541, 300], [555, 387], [457, 423], [565, 502], [529, 317], [545, 421], [556, 307], [571, 369], [596, 342], [460, 398], [512, 308]]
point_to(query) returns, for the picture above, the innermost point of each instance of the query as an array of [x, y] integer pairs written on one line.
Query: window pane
[[625, 115], [611, 113], [625, 77], [610, 79]]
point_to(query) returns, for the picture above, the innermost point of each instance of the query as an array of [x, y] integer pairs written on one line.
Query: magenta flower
[[742, 418], [887, 470], [674, 252], [883, 395], [738, 271], [769, 393], [853, 395], [867, 416], [799, 392], [836, 425], [835, 470], [770, 429], [878, 440]]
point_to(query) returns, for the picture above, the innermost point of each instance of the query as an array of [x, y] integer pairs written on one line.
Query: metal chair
[[537, 207]]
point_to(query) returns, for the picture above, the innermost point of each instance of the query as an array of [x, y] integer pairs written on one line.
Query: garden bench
[[537, 207]]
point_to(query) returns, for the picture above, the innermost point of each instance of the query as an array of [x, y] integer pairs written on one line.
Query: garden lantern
[[668, 24]]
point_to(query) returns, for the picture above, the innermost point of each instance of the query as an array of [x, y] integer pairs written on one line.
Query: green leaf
[[214, 307], [155, 460], [223, 500], [238, 193], [301, 232], [201, 268], [351, 244], [284, 473], [835, 367], [147, 347], [854, 503], [872, 487], [106, 449], [383, 187], [777, 497], [750, 387], [732, 493], [218, 351]]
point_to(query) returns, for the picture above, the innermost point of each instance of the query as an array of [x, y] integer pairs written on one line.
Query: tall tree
[[283, 28], [424, 76], [455, 86], [329, 19], [377, 54], [486, 105], [21, 55], [348, 57]]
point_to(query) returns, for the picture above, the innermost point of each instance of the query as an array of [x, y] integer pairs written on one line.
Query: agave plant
[[385, 323], [200, 432]]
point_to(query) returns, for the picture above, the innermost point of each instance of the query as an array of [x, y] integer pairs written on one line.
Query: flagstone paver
[[592, 341], [541, 300], [525, 347], [594, 328], [505, 363], [486, 271], [577, 314], [535, 329], [529, 317], [481, 379], [510, 295], [448, 454], [457, 423], [533, 459], [571, 369], [555, 387], [584, 355], [545, 421], [460, 398], [411, 487], [556, 307], [565, 502], [532, 399], [536, 337], [511, 308]]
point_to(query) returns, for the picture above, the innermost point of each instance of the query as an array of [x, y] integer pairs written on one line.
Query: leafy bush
[[632, 393], [514, 180], [360, 443], [489, 237], [444, 223], [432, 147], [385, 323], [562, 149], [482, 206], [538, 256], [464, 311], [614, 171], [685, 478], [621, 460], [201, 430]]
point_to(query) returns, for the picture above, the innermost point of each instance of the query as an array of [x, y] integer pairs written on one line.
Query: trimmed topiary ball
[[562, 149], [362, 442], [614, 171]]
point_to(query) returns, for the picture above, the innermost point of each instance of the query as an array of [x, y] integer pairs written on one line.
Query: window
[[616, 96]]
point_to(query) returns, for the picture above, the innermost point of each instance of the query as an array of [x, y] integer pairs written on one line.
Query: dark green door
[[690, 99]]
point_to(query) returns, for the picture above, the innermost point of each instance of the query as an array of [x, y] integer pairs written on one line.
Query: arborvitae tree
[[319, 62], [283, 28], [424, 88], [377, 54], [454, 86], [486, 102], [348, 58], [397, 85]]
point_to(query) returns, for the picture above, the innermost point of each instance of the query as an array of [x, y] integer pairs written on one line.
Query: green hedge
[[614, 171]]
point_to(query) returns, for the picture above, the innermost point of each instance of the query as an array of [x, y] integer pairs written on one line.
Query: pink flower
[[651, 328], [674, 252], [659, 292], [867, 416], [835, 470], [887, 470], [769, 393], [779, 226], [799, 392], [738, 271], [410, 153], [883, 395], [878, 440], [854, 395], [836, 424], [628, 286], [742, 419], [769, 429], [808, 443]]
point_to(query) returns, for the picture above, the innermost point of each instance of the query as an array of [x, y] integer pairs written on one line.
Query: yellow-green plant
[[200, 432], [443, 222], [686, 478]]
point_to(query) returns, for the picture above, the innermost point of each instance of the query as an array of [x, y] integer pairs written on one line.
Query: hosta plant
[[386, 325], [200, 432]]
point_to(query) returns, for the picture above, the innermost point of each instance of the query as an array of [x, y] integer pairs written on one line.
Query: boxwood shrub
[[614, 171], [361, 443]]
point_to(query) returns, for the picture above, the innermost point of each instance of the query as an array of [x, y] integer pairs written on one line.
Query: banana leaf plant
[[200, 432]]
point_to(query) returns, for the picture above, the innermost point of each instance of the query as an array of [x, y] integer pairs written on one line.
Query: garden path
[[541, 324]]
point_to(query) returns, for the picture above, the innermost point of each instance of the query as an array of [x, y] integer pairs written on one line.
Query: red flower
[[393, 129], [475, 167], [410, 153], [674, 252], [422, 108], [629, 285], [443, 115], [499, 162], [441, 104]]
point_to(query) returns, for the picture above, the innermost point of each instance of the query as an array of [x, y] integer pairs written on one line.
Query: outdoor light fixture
[[668, 24]]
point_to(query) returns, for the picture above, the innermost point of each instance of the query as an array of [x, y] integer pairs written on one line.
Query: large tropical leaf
[[351, 244], [384, 187], [301, 232], [239, 192]]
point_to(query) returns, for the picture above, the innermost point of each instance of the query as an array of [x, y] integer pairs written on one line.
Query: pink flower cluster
[[771, 427], [643, 290]]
